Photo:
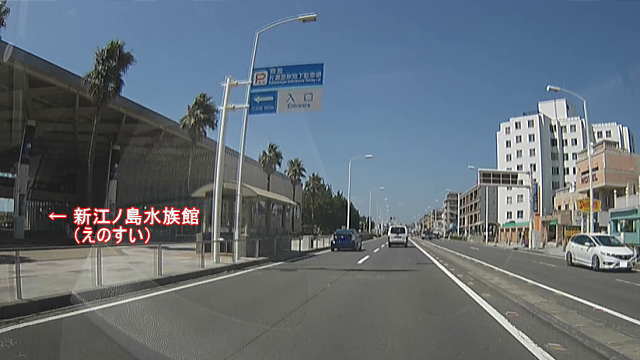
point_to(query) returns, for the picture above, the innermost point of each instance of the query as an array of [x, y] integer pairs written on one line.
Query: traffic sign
[[287, 76], [298, 100], [264, 102]]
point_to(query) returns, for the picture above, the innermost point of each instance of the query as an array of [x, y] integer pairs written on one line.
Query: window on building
[[518, 154], [566, 171], [518, 125], [565, 142], [572, 128], [520, 198], [520, 214], [507, 130], [508, 157], [564, 129], [530, 123], [552, 128], [509, 215], [566, 206], [532, 138], [532, 152], [574, 170], [599, 134], [532, 167], [607, 134], [574, 156], [518, 139], [555, 185], [509, 200], [566, 156], [554, 142], [574, 141], [555, 170], [509, 188], [508, 143], [519, 167], [509, 169], [554, 156]]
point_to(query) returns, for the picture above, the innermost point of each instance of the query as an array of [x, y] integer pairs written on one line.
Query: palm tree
[[104, 83], [296, 172], [270, 160], [314, 186], [202, 114], [4, 13]]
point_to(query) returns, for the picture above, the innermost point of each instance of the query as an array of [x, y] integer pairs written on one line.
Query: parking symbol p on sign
[[260, 78]]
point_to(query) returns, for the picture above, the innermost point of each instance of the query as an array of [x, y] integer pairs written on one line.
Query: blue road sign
[[287, 76], [264, 102]]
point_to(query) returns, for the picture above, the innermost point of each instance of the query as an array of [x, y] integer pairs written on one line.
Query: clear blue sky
[[422, 85]]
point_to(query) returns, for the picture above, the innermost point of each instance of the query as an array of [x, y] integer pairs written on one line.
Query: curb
[[47, 303]]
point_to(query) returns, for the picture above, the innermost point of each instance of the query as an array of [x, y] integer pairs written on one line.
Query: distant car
[[346, 239], [424, 236], [398, 234], [599, 251]]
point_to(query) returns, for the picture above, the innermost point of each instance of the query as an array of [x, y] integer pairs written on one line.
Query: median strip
[[546, 287]]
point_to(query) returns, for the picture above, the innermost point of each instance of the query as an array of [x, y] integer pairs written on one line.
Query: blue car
[[346, 239]]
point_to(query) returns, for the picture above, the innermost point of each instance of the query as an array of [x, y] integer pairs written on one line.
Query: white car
[[599, 251], [398, 234]]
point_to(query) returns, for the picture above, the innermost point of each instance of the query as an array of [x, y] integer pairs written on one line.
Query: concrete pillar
[[22, 180]]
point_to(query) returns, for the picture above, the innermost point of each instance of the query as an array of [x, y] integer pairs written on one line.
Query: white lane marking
[[376, 250], [533, 348], [474, 248], [547, 264], [381, 246], [363, 259], [135, 298], [549, 288], [628, 282]]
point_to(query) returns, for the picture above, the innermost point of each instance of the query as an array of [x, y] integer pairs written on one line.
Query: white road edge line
[[376, 250], [529, 344], [363, 259], [628, 282], [135, 298], [549, 288]]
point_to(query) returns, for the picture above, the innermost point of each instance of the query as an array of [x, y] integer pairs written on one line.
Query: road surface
[[379, 303]]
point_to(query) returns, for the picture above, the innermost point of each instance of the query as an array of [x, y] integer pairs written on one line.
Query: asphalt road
[[396, 304], [616, 290]]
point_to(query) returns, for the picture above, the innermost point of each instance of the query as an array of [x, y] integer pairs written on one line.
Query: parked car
[[346, 239], [599, 251], [398, 234]]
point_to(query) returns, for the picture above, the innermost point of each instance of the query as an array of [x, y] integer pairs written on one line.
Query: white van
[[398, 234]]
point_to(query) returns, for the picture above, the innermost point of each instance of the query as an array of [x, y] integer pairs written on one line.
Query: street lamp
[[303, 18], [551, 88], [366, 157]]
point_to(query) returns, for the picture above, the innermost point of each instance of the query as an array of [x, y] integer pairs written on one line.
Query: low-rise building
[[473, 211], [615, 172], [450, 211]]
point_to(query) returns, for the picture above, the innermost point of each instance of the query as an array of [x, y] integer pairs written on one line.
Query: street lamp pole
[[245, 117], [551, 88], [367, 156], [369, 216]]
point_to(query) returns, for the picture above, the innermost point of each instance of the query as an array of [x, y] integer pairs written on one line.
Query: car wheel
[[569, 259], [389, 244], [595, 263], [405, 244]]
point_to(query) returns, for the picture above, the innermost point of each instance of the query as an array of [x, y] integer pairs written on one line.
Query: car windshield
[[397, 230], [318, 179], [605, 240]]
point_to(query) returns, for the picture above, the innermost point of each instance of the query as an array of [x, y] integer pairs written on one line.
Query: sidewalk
[[550, 250]]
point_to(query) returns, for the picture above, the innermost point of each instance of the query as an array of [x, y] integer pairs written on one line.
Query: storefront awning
[[247, 192], [515, 224]]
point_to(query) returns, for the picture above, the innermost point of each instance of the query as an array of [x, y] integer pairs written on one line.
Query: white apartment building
[[547, 143]]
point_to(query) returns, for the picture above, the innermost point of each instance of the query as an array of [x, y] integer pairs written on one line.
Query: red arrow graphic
[[54, 216]]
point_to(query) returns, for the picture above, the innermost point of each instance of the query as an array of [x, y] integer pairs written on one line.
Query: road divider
[[546, 287], [520, 336]]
